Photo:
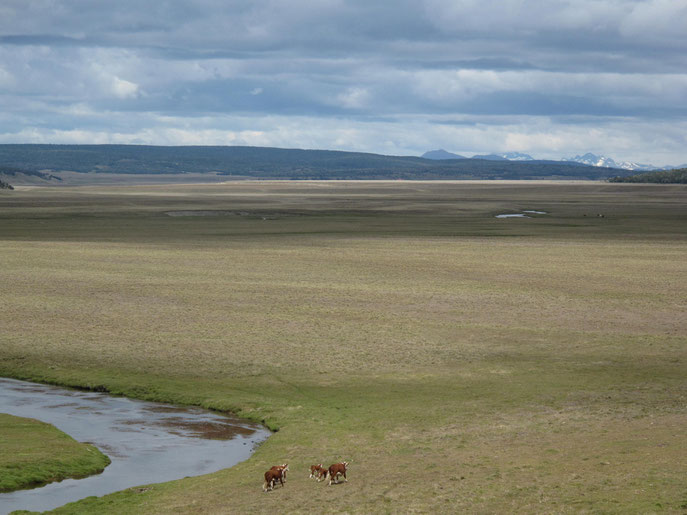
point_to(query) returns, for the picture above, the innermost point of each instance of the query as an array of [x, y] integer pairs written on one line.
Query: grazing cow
[[284, 467], [318, 472], [336, 470], [276, 473]]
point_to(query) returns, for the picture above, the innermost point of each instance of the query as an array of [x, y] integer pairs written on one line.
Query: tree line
[[678, 176]]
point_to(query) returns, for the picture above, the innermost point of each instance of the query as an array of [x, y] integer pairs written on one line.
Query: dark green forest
[[13, 171], [274, 163], [678, 176]]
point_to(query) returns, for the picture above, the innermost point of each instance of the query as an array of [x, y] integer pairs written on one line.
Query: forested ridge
[[275, 163], [678, 176]]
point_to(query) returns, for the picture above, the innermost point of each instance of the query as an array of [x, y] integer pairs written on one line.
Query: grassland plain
[[462, 363], [34, 453]]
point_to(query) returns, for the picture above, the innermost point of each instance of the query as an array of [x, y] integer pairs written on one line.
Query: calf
[[318, 472], [336, 470], [276, 473]]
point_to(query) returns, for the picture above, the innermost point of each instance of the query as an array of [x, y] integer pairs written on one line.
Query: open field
[[33, 453], [462, 363]]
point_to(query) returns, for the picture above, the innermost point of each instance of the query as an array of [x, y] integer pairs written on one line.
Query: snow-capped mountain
[[516, 156], [593, 160], [587, 159], [507, 156], [489, 157], [607, 162]]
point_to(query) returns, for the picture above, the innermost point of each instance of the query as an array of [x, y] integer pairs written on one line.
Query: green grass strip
[[33, 453]]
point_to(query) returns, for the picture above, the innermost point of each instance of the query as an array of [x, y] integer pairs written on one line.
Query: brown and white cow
[[276, 473], [318, 472], [336, 470], [284, 468]]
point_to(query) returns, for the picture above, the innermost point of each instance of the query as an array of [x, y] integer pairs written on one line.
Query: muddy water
[[147, 442]]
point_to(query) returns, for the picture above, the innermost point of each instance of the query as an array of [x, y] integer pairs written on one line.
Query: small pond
[[147, 442], [524, 214]]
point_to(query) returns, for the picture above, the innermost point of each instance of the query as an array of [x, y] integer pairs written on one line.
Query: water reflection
[[147, 442]]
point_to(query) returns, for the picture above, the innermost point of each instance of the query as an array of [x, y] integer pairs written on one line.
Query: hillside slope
[[265, 162]]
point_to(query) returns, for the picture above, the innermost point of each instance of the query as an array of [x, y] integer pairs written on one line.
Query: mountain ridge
[[441, 154], [271, 163], [608, 162], [589, 159]]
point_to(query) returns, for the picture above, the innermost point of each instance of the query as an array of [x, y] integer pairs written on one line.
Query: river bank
[[147, 442]]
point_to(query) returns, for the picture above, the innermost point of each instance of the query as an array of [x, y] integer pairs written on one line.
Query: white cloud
[[354, 98], [664, 20], [123, 88], [616, 88]]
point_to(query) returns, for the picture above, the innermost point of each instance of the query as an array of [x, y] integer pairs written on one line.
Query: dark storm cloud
[[72, 65]]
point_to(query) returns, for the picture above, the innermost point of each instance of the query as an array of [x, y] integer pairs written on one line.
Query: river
[[147, 442]]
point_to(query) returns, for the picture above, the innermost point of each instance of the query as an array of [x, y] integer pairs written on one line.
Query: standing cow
[[318, 472], [284, 468], [336, 470], [276, 473]]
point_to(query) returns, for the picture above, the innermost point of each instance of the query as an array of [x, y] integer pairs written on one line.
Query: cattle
[[336, 470], [284, 468], [270, 477], [276, 473], [318, 472]]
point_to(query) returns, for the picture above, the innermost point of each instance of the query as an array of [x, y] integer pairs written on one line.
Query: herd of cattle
[[278, 473]]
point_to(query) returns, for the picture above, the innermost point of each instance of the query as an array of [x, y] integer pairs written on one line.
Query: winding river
[[147, 442]]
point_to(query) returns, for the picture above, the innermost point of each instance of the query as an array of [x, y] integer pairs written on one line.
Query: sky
[[551, 78]]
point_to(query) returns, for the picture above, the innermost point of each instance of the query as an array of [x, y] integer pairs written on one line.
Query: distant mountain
[[440, 154], [490, 157], [588, 159], [607, 162], [603, 161], [508, 156], [517, 156], [593, 160]]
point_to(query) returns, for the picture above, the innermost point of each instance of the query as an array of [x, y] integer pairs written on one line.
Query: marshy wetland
[[459, 362]]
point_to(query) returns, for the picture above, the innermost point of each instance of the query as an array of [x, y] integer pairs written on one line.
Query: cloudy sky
[[552, 78]]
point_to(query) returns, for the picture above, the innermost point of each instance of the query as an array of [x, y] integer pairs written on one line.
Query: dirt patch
[[211, 430]]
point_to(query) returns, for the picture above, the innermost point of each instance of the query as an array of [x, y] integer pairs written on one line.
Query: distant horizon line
[[560, 159]]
